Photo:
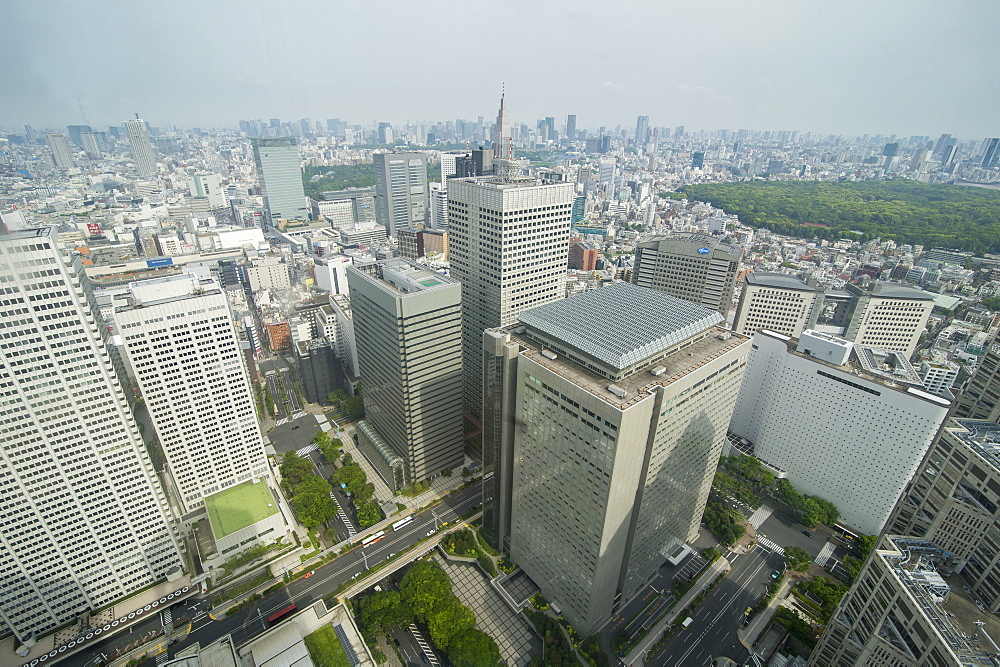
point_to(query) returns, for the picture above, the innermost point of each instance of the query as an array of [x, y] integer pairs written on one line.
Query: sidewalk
[[635, 657], [750, 634]]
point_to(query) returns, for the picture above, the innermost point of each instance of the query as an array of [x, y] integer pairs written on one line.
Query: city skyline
[[851, 69]]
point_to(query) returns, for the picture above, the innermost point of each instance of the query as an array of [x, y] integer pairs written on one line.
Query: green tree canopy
[[422, 585], [379, 612], [294, 469], [368, 514], [313, 509], [473, 648], [447, 617], [797, 558]]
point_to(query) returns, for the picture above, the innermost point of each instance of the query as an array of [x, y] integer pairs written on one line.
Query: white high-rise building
[[507, 246], [142, 147], [83, 519], [824, 406], [179, 339], [439, 206], [208, 185], [61, 152]]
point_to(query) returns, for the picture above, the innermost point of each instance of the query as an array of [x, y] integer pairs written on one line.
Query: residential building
[[938, 375], [408, 323], [439, 204], [776, 302], [178, 337], [583, 255], [819, 406], [901, 612], [85, 520], [604, 418], [280, 173], [142, 148], [507, 246], [954, 501], [61, 152], [695, 267], [401, 191]]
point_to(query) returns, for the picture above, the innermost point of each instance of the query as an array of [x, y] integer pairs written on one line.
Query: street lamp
[[434, 514]]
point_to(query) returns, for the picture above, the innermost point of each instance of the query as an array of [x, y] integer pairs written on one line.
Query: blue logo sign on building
[[704, 251], [163, 261]]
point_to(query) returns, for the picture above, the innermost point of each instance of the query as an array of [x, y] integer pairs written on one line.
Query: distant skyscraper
[[142, 147], [991, 153], [179, 339], [697, 160], [385, 133], [507, 246], [401, 190], [601, 458], [694, 267], [641, 130], [408, 327], [501, 132], [280, 174], [61, 152], [571, 127], [85, 521], [76, 133]]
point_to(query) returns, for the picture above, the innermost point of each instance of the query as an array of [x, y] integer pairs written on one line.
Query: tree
[[354, 407], [447, 617], [369, 514], [473, 648], [382, 611], [422, 585], [313, 509], [446, 472], [336, 396], [294, 469], [797, 559], [320, 439], [313, 484]]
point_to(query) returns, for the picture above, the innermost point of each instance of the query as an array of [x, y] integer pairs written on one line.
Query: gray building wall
[[402, 194], [280, 174], [694, 267]]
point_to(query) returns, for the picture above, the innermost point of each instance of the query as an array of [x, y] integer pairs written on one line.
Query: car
[[295, 427], [776, 574], [308, 574], [748, 611], [807, 533], [430, 532]]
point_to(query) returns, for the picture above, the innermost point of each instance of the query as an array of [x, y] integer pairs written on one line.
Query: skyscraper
[[507, 246], [408, 326], [76, 133], [280, 174], [61, 152], [180, 342], [991, 153], [85, 521], [777, 302], [695, 267], [605, 418], [641, 130], [501, 132], [402, 194], [981, 397], [142, 147], [571, 127]]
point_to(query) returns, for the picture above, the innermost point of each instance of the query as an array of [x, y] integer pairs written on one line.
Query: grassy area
[[325, 649], [239, 506]]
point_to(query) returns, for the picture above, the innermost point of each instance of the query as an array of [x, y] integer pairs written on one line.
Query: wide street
[[251, 621]]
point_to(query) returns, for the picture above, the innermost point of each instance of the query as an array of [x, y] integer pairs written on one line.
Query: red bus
[[280, 615]]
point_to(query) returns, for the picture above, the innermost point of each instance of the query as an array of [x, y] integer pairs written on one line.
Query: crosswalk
[[824, 554], [163, 657], [343, 517], [760, 516], [423, 645], [769, 545], [285, 420], [304, 451]]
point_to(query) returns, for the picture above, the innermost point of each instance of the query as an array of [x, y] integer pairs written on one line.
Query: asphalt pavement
[[251, 621]]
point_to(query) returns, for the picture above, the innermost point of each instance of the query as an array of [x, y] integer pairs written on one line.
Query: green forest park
[[949, 216]]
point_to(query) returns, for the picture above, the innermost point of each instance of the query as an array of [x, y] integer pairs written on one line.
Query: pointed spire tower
[[503, 146]]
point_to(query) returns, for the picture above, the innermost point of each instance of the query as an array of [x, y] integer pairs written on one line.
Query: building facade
[[408, 326], [583, 255], [776, 302], [507, 246], [601, 449], [142, 148], [61, 153], [179, 340], [694, 267], [85, 521], [280, 174], [981, 397], [820, 405], [402, 196]]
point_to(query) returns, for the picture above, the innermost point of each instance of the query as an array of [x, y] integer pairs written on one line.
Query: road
[[251, 621]]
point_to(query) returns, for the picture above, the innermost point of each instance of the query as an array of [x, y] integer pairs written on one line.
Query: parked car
[[308, 574]]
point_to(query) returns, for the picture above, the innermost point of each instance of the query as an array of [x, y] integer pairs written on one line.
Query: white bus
[[402, 522], [373, 538]]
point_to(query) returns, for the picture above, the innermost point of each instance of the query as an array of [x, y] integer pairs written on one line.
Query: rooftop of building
[[983, 437], [695, 238], [888, 290], [406, 277], [237, 507], [166, 289], [777, 280], [621, 324]]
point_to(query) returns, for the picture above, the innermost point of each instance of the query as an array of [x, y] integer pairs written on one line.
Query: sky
[[912, 67]]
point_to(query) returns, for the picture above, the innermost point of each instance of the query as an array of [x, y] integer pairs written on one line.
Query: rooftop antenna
[[80, 105]]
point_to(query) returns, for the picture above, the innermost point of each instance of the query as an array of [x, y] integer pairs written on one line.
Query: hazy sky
[[908, 67]]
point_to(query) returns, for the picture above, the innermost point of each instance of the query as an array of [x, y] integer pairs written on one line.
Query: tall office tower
[[209, 186], [385, 133], [61, 152], [401, 190], [954, 501], [942, 143], [280, 174], [697, 160], [981, 397], [448, 165], [777, 302], [142, 147], [85, 521], [991, 153], [76, 133], [90, 145], [606, 175], [571, 127], [408, 327], [854, 414], [889, 315], [695, 267], [641, 130], [507, 246], [180, 342], [605, 415], [502, 145], [439, 206], [902, 612]]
